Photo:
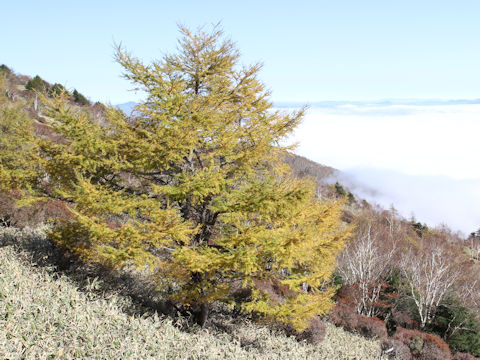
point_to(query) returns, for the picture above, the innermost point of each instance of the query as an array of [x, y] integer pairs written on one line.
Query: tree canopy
[[192, 186]]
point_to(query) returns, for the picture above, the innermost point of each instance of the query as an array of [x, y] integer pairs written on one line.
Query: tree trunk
[[202, 315], [35, 103]]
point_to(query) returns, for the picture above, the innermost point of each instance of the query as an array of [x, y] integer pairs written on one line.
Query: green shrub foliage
[[37, 84], [79, 98], [58, 89], [459, 326], [5, 69], [340, 190]]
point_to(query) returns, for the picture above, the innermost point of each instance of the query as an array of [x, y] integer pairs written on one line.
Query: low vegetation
[[44, 315]]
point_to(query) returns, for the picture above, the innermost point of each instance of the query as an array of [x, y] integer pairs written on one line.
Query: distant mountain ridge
[[385, 102], [127, 107]]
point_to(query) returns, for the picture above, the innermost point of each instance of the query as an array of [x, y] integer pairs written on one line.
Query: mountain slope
[[47, 316]]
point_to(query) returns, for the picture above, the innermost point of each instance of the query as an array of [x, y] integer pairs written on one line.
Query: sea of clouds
[[422, 157]]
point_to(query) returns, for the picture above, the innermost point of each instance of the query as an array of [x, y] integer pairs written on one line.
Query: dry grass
[[44, 315]]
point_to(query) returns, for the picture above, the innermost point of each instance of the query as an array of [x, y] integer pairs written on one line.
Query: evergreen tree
[[18, 152], [459, 326], [193, 187], [36, 84], [340, 190], [5, 69], [79, 98], [58, 89]]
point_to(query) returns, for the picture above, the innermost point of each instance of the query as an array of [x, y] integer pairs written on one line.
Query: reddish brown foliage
[[315, 333], [114, 225], [344, 316], [346, 295], [350, 294], [7, 209], [405, 335], [274, 289], [46, 131], [11, 215], [23, 79], [42, 129], [54, 209], [403, 319], [35, 115], [348, 216], [464, 356], [371, 327], [423, 345]]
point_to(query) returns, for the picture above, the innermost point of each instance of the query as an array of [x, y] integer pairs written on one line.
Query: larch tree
[[18, 152], [192, 186]]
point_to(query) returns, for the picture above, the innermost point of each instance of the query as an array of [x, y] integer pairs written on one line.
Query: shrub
[[52, 210], [37, 84], [344, 316], [434, 348], [346, 295], [11, 215], [58, 89], [395, 349], [460, 327], [340, 190], [351, 197], [352, 295], [315, 332], [403, 319], [423, 345], [464, 356], [371, 327], [348, 217], [79, 98], [7, 210], [5, 69]]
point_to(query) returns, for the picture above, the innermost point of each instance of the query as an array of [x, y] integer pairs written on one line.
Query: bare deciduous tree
[[430, 271], [366, 263], [473, 243]]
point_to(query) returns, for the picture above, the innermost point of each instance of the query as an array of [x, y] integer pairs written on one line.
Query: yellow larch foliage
[[191, 184]]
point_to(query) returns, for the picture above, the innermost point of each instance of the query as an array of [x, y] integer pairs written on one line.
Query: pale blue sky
[[312, 50]]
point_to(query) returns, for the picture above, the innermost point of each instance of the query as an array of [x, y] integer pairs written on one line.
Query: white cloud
[[437, 145], [431, 199], [428, 140]]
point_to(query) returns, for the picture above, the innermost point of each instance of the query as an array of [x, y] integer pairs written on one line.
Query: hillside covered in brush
[[47, 314]]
